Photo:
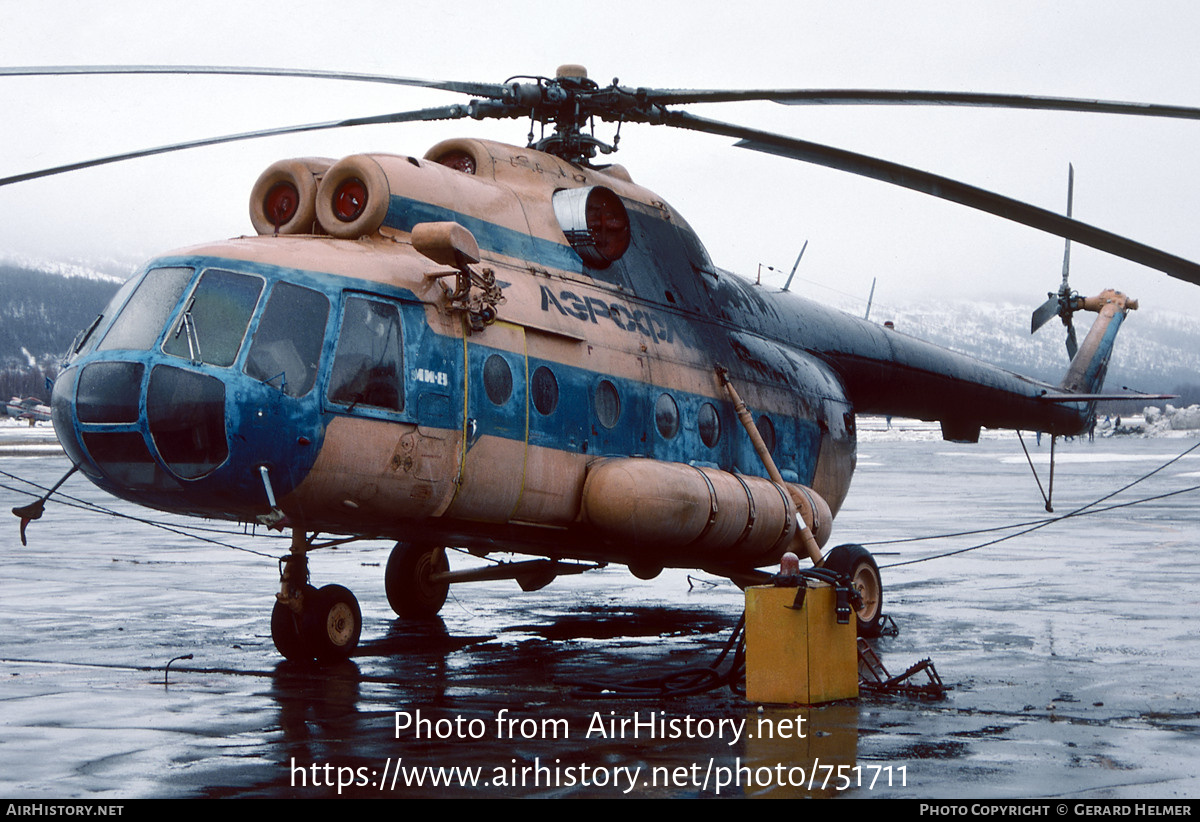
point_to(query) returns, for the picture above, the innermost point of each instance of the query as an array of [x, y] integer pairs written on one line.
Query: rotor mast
[[570, 100]]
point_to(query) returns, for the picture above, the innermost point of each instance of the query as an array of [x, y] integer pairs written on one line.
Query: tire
[[287, 629], [410, 590], [332, 623], [857, 563]]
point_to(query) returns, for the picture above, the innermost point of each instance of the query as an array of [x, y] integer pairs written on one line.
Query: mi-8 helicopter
[[517, 350]]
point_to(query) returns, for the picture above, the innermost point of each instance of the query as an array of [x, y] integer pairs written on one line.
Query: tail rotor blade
[[1067, 251], [1044, 312], [1061, 303]]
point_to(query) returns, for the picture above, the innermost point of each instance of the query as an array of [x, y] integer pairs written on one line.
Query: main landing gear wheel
[[411, 591], [857, 563], [332, 623]]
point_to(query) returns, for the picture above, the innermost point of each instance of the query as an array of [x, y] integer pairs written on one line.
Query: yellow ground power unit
[[798, 655]]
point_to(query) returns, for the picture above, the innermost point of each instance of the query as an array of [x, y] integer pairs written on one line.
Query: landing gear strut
[[418, 577], [310, 623]]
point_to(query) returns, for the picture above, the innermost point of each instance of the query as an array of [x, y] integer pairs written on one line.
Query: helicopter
[[518, 350]]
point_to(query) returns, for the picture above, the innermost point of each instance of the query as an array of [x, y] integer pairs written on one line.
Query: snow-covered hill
[[44, 304], [1157, 351]]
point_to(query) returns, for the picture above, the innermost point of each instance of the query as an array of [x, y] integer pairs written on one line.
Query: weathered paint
[[459, 464]]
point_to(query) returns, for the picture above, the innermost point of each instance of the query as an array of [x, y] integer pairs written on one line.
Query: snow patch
[[112, 271], [1090, 456], [1172, 418]]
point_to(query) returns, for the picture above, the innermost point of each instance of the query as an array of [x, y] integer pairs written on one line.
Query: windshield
[[141, 321], [215, 318]]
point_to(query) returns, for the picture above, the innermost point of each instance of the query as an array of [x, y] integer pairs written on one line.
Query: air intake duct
[[284, 198]]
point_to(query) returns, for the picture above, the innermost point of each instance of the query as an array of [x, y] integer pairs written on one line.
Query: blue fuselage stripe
[[405, 213], [268, 427]]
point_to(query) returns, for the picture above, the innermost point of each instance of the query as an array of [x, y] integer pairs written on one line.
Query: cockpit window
[[369, 362], [141, 321], [215, 318], [287, 344]]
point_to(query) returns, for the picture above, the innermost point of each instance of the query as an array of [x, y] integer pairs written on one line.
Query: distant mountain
[[1156, 351], [43, 307]]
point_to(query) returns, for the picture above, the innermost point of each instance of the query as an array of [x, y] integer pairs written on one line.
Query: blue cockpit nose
[[195, 383], [97, 414]]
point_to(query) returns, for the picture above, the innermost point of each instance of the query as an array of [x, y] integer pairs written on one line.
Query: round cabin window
[[766, 430], [608, 404], [709, 424], [666, 416], [497, 379], [545, 390]]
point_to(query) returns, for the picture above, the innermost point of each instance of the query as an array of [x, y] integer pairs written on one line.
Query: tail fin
[[1086, 373]]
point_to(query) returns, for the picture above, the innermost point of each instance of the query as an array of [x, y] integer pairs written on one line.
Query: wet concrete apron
[[1073, 651]]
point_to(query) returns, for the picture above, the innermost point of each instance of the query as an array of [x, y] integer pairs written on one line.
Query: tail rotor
[[1066, 302]]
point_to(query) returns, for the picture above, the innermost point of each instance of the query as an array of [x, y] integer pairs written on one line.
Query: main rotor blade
[[439, 113], [944, 188], [879, 97], [491, 90]]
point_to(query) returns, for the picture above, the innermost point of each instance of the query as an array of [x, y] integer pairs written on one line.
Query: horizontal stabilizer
[[1095, 397]]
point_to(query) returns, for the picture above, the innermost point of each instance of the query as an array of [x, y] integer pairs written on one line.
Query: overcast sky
[[1135, 176]]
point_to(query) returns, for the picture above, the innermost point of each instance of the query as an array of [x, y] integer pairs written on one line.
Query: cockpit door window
[[368, 367], [286, 350]]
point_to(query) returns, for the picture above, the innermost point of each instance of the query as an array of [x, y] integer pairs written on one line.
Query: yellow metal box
[[801, 656]]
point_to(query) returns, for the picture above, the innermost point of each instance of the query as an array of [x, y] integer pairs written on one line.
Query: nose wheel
[[332, 623], [310, 623], [287, 629], [327, 628]]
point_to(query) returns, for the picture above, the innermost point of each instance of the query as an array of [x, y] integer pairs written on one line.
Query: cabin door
[[495, 425]]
